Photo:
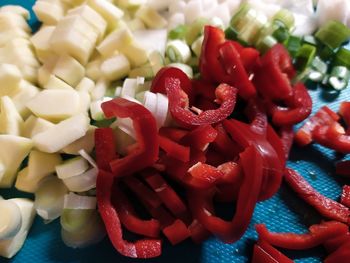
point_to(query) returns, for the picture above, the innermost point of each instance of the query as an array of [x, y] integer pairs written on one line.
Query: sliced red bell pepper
[[345, 196], [145, 248], [237, 76], [174, 134], [105, 148], [287, 137], [343, 168], [249, 57], [298, 109], [163, 216], [203, 89], [325, 206], [129, 219], [255, 112], [176, 232], [146, 134], [198, 232], [273, 73], [205, 175], [200, 137], [323, 117], [178, 104], [265, 253], [318, 234], [224, 145], [276, 142], [202, 207], [333, 244], [158, 83], [340, 255], [174, 149], [344, 111], [231, 173]]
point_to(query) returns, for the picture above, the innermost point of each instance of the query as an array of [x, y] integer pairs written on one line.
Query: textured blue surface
[[284, 212]]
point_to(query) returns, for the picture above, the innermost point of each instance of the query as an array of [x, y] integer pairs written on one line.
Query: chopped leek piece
[[145, 71], [293, 44], [333, 34], [242, 12], [178, 51], [231, 33], [284, 16], [318, 70], [184, 67], [74, 201], [311, 40], [178, 32], [339, 77], [197, 47], [10, 220], [326, 52], [342, 58], [195, 30], [249, 31], [281, 34], [305, 56], [76, 219], [266, 43]]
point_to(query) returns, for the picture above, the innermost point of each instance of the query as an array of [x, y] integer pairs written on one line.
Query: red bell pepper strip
[[200, 137], [323, 117], [146, 248], [257, 116], [249, 57], [158, 83], [265, 253], [273, 169], [105, 148], [129, 219], [174, 149], [343, 168], [231, 173], [333, 244], [163, 216], [276, 142], [333, 137], [318, 234], [273, 73], [202, 208], [344, 111], [224, 145], [203, 89], [299, 108], [174, 134], [325, 206], [176, 232], [167, 194], [287, 137], [146, 134], [231, 61], [178, 104], [341, 254], [198, 232], [205, 175], [345, 196]]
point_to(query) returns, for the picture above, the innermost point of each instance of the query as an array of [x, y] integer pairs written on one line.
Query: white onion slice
[[74, 201], [10, 219], [82, 182], [162, 109], [88, 158]]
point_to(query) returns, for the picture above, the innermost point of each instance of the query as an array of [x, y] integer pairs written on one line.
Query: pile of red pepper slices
[[232, 133]]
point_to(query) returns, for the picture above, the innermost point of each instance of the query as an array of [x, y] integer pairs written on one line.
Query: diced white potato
[[69, 131], [41, 43], [55, 104], [48, 13], [16, 9], [73, 3], [40, 125], [108, 11], [100, 89], [85, 100], [49, 198], [11, 121], [10, 220], [151, 17], [136, 54], [132, 3], [92, 17], [136, 24], [116, 67], [40, 165], [86, 143], [44, 72], [28, 126], [11, 20], [72, 167], [85, 84], [69, 70], [10, 247], [115, 41], [96, 110], [56, 83], [25, 93], [10, 79], [7, 35], [13, 150], [92, 69]]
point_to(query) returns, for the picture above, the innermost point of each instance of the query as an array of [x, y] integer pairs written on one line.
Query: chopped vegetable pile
[[141, 118]]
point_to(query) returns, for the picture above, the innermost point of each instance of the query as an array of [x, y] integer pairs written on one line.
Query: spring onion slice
[[293, 44], [342, 58], [178, 51], [10, 219], [178, 32], [339, 77], [311, 40], [333, 34], [266, 43], [286, 17], [184, 67], [195, 30], [305, 56]]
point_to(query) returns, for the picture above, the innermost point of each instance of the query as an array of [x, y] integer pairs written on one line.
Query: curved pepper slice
[[104, 147], [202, 207], [147, 248], [318, 235], [146, 134], [273, 73], [333, 244], [178, 104], [341, 254], [200, 137], [176, 232], [325, 206], [174, 149]]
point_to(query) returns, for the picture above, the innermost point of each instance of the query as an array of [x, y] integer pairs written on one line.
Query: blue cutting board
[[284, 212]]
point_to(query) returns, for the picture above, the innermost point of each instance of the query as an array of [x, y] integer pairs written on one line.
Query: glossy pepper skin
[[179, 105], [325, 206], [105, 148], [146, 135], [318, 234], [265, 253]]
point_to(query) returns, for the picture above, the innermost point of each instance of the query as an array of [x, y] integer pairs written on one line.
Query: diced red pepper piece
[[341, 254], [272, 75], [323, 117], [174, 149], [231, 173], [128, 217], [145, 248], [299, 108], [333, 244], [230, 60], [344, 111], [325, 206], [265, 253], [202, 207], [200, 137], [105, 148], [345, 196], [178, 104], [343, 168], [318, 234], [177, 232], [174, 134], [146, 134]]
